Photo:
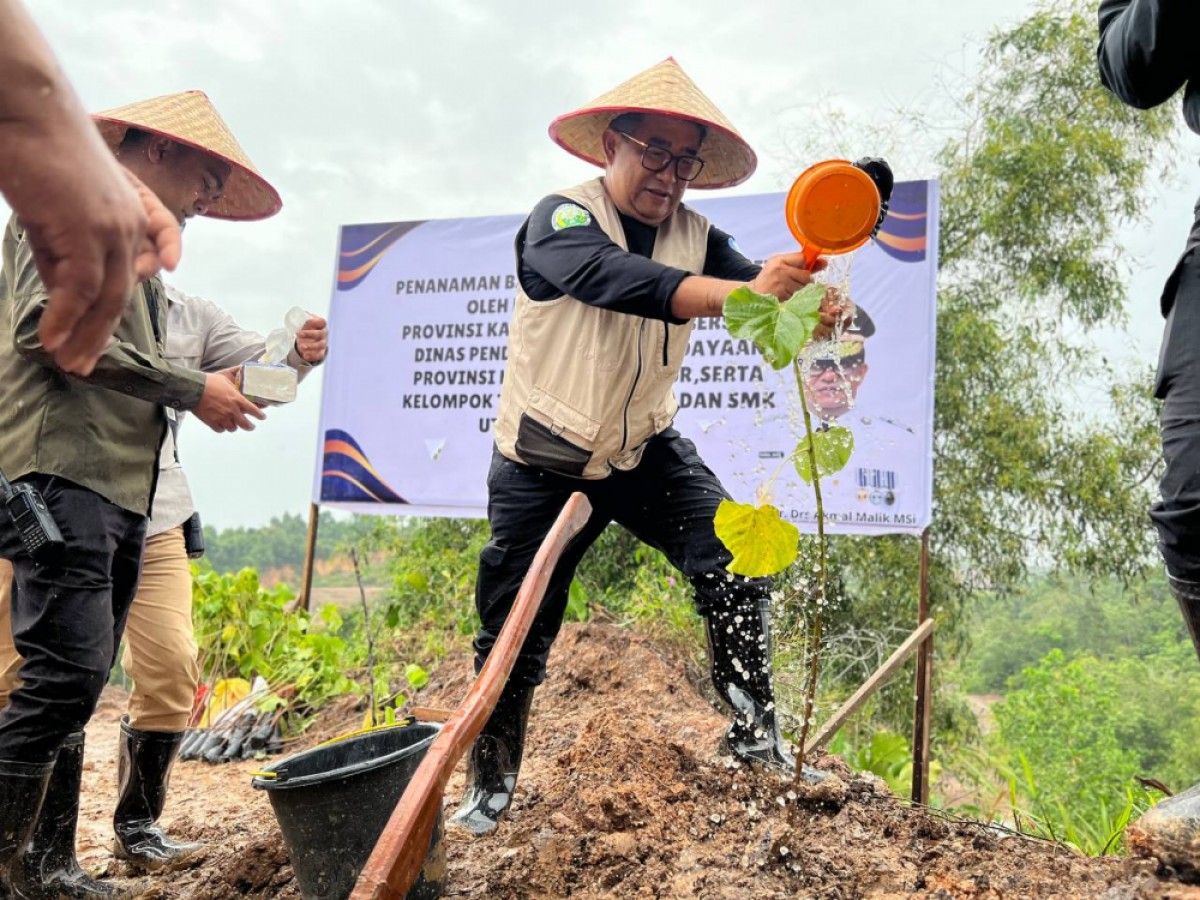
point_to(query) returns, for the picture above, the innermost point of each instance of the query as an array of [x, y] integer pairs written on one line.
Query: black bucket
[[333, 801]]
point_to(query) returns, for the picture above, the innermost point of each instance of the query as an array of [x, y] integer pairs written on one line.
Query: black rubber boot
[[22, 789], [1188, 595], [494, 762], [142, 776], [739, 645], [48, 869]]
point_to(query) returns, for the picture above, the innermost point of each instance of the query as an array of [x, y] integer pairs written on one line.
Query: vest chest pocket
[[553, 436], [607, 340]]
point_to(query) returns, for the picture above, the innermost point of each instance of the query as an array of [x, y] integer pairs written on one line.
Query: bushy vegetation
[[246, 631], [1099, 686]]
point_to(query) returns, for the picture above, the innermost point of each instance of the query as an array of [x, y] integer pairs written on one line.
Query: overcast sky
[[376, 110]]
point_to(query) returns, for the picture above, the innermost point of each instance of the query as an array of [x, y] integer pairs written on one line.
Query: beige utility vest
[[585, 388]]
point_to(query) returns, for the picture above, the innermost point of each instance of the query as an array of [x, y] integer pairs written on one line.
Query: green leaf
[[779, 330], [416, 676], [577, 602], [330, 616], [760, 541], [417, 581], [832, 448]]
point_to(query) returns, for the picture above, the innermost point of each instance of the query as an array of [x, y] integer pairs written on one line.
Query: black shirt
[[1148, 50], [565, 252]]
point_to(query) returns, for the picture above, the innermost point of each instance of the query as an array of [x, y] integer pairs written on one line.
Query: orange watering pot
[[832, 208]]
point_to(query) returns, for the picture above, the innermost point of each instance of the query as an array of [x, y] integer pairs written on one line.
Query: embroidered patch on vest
[[569, 215]]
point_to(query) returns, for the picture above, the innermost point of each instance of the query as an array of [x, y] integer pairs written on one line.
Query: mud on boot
[[143, 775], [739, 646], [47, 868], [22, 789], [494, 762]]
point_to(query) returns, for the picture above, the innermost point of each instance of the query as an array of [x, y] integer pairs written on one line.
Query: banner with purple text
[[418, 334]]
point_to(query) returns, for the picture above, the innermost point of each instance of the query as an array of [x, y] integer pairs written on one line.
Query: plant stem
[[814, 648], [366, 630]]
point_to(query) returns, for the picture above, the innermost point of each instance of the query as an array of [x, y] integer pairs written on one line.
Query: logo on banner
[[363, 246], [876, 486], [903, 235], [347, 474], [569, 215]]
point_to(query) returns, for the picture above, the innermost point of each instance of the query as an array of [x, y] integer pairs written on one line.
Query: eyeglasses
[[687, 168], [823, 364]]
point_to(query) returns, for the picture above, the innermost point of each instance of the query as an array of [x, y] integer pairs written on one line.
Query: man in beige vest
[[611, 274], [90, 446]]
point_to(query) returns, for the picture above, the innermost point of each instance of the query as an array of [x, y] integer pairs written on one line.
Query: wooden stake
[[923, 709], [870, 686], [400, 852], [310, 549]]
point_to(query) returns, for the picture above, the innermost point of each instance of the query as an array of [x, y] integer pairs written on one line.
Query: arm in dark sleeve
[[725, 260], [121, 367], [1147, 48], [583, 262]]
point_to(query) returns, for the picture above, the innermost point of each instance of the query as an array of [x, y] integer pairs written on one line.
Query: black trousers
[[668, 502], [1177, 514], [67, 618]]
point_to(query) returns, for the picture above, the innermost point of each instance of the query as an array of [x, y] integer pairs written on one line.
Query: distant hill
[[276, 550]]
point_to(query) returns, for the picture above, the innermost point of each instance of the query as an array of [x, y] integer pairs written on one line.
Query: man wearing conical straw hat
[[89, 447], [611, 274]]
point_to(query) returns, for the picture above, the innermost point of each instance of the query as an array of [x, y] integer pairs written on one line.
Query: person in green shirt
[[90, 445]]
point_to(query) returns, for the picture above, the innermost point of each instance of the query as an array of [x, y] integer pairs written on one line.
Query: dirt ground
[[623, 795]]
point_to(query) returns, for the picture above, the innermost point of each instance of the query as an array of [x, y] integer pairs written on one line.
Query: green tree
[[280, 543], [1034, 185], [1074, 772], [1138, 647]]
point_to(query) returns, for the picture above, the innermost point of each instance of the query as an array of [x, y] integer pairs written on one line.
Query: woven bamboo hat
[[661, 90], [191, 119]]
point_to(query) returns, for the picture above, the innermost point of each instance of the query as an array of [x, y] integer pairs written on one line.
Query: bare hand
[[163, 245], [312, 340], [94, 232], [84, 219], [783, 275], [88, 293], [222, 407], [837, 311]]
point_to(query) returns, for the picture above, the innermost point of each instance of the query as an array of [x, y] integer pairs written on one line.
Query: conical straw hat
[[663, 90], [191, 119]]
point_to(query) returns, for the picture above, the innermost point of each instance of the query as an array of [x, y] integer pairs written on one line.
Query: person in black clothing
[[1147, 52], [611, 274]]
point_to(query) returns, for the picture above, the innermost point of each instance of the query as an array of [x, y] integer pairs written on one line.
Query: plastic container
[[333, 801], [832, 208]]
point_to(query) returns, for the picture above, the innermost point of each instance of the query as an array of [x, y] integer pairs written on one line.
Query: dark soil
[[623, 795]]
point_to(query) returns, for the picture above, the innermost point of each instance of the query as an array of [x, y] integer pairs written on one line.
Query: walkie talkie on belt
[[37, 528]]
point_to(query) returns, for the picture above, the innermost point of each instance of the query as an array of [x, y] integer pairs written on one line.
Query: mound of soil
[[622, 794]]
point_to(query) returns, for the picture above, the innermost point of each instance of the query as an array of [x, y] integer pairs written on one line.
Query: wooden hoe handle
[[400, 852]]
